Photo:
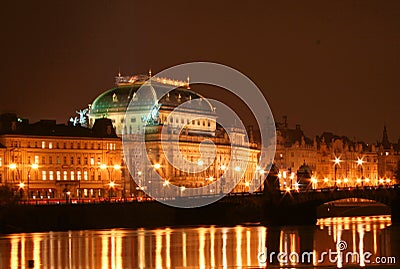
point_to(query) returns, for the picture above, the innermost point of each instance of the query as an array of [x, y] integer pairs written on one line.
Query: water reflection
[[202, 247]]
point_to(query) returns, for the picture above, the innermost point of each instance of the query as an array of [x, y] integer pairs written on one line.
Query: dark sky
[[328, 65]]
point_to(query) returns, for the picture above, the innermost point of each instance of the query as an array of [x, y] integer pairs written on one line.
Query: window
[[92, 161], [72, 160], [43, 175], [85, 192], [43, 144], [72, 175], [50, 160], [78, 175], [36, 159], [50, 145], [51, 177], [79, 160], [85, 175], [65, 175], [43, 159], [1, 161], [58, 175], [133, 119], [65, 160]]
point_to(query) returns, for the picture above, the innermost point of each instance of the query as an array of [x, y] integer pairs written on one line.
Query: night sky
[[327, 65]]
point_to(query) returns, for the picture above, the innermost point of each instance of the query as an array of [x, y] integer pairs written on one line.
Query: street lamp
[[360, 162], [34, 166], [336, 163], [112, 183]]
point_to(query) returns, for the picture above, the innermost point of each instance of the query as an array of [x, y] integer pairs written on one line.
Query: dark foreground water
[[359, 240]]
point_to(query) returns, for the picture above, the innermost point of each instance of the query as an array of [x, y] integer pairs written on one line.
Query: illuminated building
[[334, 160], [198, 119], [49, 160]]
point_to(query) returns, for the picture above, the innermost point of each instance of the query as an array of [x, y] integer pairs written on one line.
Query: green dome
[[117, 99]]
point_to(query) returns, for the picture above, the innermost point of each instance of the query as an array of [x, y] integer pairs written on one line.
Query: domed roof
[[117, 99]]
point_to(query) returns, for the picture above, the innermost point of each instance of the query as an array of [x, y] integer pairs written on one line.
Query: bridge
[[300, 207]]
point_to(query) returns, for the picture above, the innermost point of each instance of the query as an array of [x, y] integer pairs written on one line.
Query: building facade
[[334, 160], [45, 160]]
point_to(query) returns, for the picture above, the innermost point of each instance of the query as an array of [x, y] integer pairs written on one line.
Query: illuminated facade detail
[[199, 120], [334, 160], [45, 173]]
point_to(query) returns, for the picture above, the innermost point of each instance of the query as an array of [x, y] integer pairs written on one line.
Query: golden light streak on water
[[141, 248], [212, 246], [202, 239], [158, 254]]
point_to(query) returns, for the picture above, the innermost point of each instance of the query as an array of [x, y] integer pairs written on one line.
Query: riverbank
[[228, 211]]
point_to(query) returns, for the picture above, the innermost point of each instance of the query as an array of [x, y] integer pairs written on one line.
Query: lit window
[[50, 145], [36, 159], [58, 175], [85, 192], [1, 161], [43, 175], [79, 176], [43, 144], [85, 175], [91, 161], [72, 175], [65, 175], [51, 175]]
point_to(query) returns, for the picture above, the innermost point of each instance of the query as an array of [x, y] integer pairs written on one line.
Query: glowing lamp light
[[247, 184], [388, 180], [22, 185], [166, 183], [367, 180], [237, 168], [117, 167], [360, 161], [262, 172], [287, 189], [381, 180], [339, 181], [326, 180], [157, 166], [34, 166], [223, 167], [358, 180], [314, 180], [112, 184], [140, 173], [200, 163], [337, 160], [345, 180], [183, 188], [13, 166], [103, 166]]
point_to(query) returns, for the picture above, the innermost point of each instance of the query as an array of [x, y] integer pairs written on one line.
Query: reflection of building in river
[[195, 247]]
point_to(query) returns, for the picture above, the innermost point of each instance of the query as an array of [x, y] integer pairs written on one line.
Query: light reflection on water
[[196, 247]]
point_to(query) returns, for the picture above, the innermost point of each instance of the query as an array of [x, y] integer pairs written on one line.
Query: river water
[[332, 243]]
